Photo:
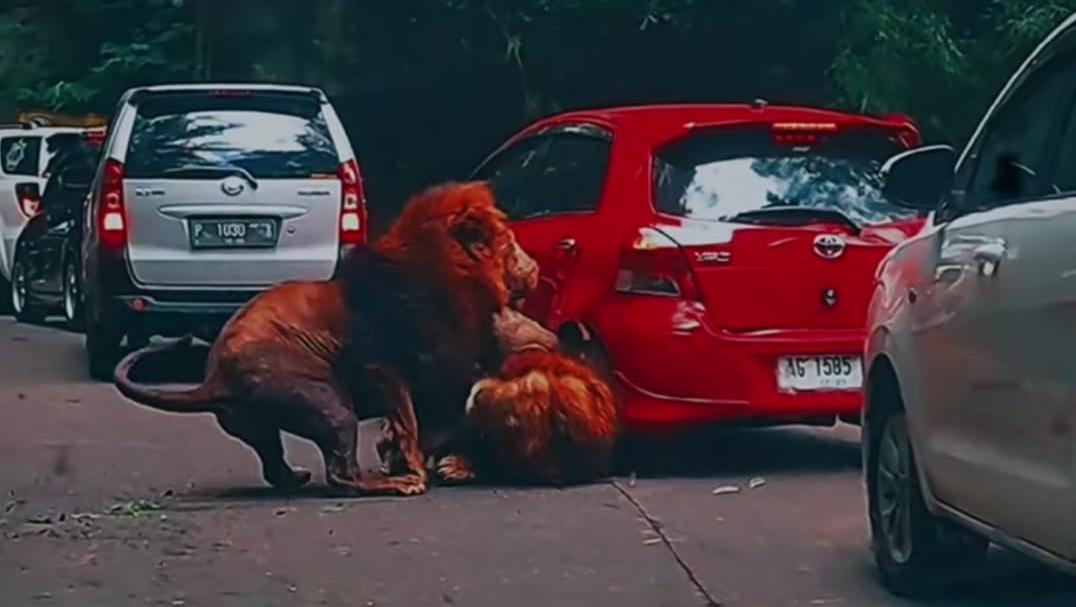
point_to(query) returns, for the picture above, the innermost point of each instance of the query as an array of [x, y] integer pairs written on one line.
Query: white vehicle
[[969, 427], [24, 156]]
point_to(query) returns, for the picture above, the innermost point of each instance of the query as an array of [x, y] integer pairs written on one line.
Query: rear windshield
[[21, 155], [718, 175], [281, 136]]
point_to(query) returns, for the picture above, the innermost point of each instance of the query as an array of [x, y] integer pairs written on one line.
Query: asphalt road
[[110, 504]]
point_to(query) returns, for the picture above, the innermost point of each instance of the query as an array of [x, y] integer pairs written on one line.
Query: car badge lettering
[[828, 246], [232, 186], [713, 257]]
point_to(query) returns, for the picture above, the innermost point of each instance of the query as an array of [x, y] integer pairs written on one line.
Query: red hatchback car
[[717, 259]]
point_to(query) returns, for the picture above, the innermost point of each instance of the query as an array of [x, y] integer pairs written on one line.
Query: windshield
[[268, 136], [720, 175]]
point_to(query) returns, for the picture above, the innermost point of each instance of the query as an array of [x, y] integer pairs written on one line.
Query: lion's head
[[456, 231]]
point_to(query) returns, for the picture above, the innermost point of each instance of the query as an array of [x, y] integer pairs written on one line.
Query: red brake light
[[29, 197], [654, 264], [112, 215], [352, 205], [94, 137], [801, 133]]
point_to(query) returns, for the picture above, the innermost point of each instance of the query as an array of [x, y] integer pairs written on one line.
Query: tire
[[72, 296], [103, 340], [5, 296], [22, 304], [915, 552]]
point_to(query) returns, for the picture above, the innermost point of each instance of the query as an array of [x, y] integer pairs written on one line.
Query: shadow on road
[[724, 451]]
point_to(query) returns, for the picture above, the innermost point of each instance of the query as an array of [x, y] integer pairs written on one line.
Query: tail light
[[654, 264], [94, 137], [29, 197], [352, 205], [801, 133], [112, 215]]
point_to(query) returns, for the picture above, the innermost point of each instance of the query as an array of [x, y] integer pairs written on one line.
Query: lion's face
[[458, 229]]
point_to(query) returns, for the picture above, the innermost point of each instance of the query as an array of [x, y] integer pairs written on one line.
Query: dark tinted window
[[21, 155], [718, 175], [550, 174], [573, 176], [1012, 160], [513, 175], [74, 164], [269, 135]]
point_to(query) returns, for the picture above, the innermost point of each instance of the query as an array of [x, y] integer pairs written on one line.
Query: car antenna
[[759, 104]]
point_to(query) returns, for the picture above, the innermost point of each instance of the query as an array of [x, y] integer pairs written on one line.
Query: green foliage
[[79, 54], [471, 70], [934, 60]]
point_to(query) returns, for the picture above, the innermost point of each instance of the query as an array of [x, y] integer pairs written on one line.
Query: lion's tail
[[200, 399]]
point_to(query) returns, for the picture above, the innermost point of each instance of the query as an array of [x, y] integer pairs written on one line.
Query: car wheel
[[5, 296], [103, 339], [72, 296], [22, 303], [915, 552]]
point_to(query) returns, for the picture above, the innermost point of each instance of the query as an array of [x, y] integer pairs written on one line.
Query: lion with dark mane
[[407, 320]]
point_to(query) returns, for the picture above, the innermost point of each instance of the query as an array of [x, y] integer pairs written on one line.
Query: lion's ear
[[474, 235]]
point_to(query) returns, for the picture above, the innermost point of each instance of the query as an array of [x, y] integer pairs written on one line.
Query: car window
[[513, 175], [1064, 173], [74, 165], [723, 174], [269, 135], [573, 175], [21, 155], [1013, 155]]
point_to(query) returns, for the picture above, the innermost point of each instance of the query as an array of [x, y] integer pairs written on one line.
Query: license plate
[[233, 233], [827, 372]]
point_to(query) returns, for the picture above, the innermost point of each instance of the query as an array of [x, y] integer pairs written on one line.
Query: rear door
[[20, 167], [551, 187], [232, 188], [781, 234]]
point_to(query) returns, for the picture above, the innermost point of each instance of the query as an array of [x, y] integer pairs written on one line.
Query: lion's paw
[[455, 469]]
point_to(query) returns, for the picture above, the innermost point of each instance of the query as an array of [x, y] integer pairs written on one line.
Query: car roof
[[223, 86], [664, 121]]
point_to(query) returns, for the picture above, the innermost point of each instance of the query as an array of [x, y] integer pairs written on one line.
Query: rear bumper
[[148, 304], [672, 377]]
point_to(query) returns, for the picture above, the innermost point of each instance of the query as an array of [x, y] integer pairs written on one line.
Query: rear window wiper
[[201, 169], [791, 215]]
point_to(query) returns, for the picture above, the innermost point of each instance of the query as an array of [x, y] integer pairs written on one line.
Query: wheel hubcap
[[70, 293], [18, 289], [894, 492]]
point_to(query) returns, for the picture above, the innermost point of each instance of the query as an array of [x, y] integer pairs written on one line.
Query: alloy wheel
[[895, 492]]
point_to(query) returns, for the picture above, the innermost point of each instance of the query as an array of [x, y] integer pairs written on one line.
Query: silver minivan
[[207, 194]]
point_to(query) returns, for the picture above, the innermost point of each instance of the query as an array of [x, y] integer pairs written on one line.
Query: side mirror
[[918, 178]]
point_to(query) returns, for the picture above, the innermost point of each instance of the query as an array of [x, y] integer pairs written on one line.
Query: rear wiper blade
[[794, 214], [214, 168]]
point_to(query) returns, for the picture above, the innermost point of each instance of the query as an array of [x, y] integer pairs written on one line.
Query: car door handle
[[566, 244], [989, 256], [992, 251]]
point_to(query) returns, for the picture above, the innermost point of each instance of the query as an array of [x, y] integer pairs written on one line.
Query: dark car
[[45, 275]]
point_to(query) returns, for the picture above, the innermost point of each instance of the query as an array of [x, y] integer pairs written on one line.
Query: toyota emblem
[[828, 246], [232, 186]]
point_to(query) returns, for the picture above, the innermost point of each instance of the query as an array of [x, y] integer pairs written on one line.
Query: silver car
[[970, 418], [207, 194]]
